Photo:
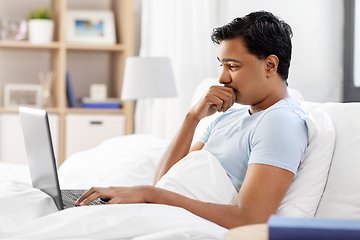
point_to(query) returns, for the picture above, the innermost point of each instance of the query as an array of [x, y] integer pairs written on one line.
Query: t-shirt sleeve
[[206, 134], [279, 139], [209, 129]]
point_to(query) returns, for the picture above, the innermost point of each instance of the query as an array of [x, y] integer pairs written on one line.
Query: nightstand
[[249, 232]]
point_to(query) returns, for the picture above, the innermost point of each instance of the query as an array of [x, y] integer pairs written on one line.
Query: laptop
[[41, 158]]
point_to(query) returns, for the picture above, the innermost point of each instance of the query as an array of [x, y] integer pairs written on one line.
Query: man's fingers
[[114, 201], [89, 196], [221, 99], [85, 195]]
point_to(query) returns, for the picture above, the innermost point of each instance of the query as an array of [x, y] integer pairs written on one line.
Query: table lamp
[[147, 77]]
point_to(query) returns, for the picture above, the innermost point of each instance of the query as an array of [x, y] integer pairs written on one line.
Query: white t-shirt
[[276, 136]]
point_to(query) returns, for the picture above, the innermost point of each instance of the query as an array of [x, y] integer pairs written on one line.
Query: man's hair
[[264, 34]]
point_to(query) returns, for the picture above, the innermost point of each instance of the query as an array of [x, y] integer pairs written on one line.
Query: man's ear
[[272, 62]]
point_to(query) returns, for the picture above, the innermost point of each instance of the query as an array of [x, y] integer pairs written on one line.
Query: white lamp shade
[[148, 77]]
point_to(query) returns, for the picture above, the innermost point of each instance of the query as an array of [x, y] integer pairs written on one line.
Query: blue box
[[281, 228], [109, 103]]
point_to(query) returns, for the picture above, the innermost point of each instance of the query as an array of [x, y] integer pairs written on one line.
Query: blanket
[[31, 214]]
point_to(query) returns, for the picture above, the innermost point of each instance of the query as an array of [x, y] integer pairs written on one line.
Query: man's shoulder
[[286, 107], [286, 114]]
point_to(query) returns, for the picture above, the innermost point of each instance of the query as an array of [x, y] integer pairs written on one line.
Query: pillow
[[341, 198], [128, 160], [306, 189], [200, 176]]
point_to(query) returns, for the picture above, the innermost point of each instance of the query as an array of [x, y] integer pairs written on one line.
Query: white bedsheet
[[128, 160], [128, 221]]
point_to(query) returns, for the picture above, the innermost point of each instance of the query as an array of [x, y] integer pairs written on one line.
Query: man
[[260, 148]]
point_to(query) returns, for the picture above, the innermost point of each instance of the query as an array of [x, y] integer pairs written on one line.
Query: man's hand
[[217, 99], [115, 195]]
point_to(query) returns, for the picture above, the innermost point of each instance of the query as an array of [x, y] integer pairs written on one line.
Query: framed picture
[[28, 95], [13, 29], [93, 27]]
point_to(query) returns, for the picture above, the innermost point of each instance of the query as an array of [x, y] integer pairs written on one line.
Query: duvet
[[28, 213]]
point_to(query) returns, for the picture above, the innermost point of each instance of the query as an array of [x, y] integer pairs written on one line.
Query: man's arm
[[197, 146], [178, 147], [260, 195], [218, 98]]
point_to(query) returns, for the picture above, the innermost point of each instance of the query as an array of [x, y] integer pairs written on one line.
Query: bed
[[27, 213]]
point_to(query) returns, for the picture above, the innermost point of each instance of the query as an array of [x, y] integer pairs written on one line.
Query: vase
[[41, 31]]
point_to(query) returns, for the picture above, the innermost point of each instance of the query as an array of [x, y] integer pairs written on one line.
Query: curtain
[[180, 30]]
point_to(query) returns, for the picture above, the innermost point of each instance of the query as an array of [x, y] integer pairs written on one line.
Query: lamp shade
[[148, 77]]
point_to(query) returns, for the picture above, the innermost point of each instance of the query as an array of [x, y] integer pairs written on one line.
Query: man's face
[[242, 71]]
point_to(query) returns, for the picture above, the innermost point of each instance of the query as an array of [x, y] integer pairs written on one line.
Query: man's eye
[[232, 66], [221, 65]]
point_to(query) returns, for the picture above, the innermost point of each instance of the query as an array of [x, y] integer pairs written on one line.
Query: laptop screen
[[40, 153]]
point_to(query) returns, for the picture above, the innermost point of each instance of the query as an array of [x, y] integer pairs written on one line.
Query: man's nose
[[224, 77]]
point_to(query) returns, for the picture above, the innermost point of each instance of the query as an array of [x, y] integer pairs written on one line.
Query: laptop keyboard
[[71, 196]]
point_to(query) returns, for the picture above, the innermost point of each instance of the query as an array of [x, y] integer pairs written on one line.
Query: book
[[108, 103], [69, 92], [281, 228]]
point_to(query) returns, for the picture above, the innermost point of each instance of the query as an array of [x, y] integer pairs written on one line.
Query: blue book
[[108, 103], [70, 92], [281, 228]]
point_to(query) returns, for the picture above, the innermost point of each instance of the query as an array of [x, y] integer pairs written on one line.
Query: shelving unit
[[59, 49]]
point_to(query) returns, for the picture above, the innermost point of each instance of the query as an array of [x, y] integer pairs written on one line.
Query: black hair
[[264, 34]]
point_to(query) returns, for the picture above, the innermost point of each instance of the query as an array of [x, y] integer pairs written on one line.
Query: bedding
[[131, 160], [31, 214]]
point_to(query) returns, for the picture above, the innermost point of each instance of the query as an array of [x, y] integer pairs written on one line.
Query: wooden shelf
[[27, 45], [59, 61], [16, 110], [87, 47], [58, 45]]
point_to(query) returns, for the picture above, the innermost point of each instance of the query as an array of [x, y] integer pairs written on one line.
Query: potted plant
[[41, 27]]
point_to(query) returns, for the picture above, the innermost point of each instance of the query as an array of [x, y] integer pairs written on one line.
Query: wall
[[317, 61], [316, 68]]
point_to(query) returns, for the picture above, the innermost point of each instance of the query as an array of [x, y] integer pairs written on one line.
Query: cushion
[[306, 189], [200, 176], [341, 198], [127, 160]]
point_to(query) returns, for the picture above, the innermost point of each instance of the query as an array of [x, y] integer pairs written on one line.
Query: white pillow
[[128, 160], [199, 175], [341, 198], [305, 191]]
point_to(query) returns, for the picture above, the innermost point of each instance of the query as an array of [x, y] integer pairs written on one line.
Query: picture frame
[[13, 29], [27, 95], [90, 27]]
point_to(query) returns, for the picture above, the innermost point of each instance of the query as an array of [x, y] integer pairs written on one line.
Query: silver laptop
[[41, 158]]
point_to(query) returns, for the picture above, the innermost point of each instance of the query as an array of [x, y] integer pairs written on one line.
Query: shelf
[[58, 45], [94, 47], [16, 110], [26, 44], [60, 59]]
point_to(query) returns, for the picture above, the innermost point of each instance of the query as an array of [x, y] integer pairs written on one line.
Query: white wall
[[317, 64], [317, 61]]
